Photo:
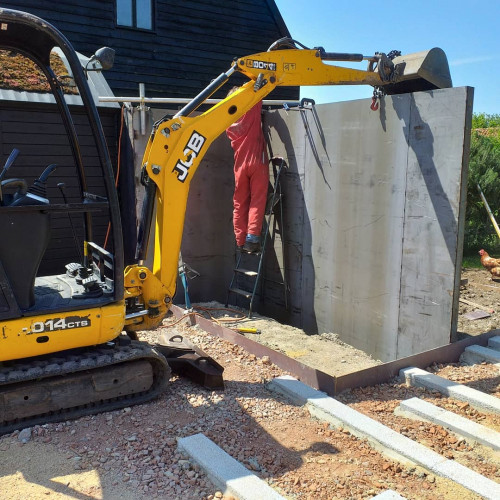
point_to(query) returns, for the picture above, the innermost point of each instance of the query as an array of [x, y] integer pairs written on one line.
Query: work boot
[[252, 244], [251, 247]]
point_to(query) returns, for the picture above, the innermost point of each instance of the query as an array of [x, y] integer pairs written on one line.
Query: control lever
[[10, 160], [39, 188], [37, 192]]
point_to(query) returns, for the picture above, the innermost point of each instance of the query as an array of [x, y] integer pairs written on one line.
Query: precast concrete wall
[[374, 205]]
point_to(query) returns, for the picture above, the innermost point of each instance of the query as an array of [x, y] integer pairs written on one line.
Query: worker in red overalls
[[251, 178]]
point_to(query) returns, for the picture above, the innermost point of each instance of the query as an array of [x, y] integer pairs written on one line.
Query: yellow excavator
[[68, 342]]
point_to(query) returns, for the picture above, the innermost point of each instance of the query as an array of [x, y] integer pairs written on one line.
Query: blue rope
[[186, 294]]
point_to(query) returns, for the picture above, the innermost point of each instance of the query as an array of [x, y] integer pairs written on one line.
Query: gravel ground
[[132, 453]]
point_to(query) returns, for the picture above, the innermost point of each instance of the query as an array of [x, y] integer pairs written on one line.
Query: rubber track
[[92, 358]]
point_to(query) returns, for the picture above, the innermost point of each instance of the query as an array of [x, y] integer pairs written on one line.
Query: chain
[[388, 73]]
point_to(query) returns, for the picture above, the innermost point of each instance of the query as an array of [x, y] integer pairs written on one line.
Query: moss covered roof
[[22, 74]]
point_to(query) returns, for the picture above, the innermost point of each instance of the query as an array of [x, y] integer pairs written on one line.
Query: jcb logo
[[191, 151], [252, 63]]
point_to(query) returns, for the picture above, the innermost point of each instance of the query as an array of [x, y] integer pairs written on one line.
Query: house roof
[[277, 17], [22, 80]]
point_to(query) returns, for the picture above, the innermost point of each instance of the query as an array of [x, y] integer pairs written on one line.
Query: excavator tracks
[[93, 380]]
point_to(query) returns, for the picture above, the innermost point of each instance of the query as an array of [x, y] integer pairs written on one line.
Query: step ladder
[[247, 274]]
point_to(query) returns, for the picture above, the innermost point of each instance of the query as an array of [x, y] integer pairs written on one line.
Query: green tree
[[483, 120], [484, 170]]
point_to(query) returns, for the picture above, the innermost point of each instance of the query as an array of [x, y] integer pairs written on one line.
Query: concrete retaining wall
[[374, 212]]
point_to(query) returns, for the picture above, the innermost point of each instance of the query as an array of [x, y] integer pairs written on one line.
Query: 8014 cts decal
[[56, 324]]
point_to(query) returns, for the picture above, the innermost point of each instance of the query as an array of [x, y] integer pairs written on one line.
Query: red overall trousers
[[251, 174]]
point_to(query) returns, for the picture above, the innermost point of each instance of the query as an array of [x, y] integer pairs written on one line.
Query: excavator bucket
[[427, 70]]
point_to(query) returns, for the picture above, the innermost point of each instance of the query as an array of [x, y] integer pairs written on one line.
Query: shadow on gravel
[[250, 423], [45, 471], [488, 385], [261, 430]]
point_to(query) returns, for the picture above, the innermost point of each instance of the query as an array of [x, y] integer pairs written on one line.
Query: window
[[135, 13]]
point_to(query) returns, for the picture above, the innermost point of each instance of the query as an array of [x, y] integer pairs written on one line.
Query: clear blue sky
[[468, 32]]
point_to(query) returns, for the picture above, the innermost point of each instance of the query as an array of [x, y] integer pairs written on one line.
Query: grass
[[471, 261]]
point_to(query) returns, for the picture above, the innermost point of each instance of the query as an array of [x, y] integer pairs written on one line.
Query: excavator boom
[[426, 70]]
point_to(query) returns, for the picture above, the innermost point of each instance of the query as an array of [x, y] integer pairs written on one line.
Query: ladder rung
[[246, 272], [274, 281], [239, 291]]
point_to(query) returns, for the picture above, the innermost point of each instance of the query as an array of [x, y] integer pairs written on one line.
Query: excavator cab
[[35, 204]]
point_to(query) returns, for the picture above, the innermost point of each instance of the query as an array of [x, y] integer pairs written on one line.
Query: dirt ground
[[131, 454], [483, 296]]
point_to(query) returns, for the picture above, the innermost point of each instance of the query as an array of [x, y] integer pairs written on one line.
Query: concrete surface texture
[[224, 471], [375, 205], [374, 208]]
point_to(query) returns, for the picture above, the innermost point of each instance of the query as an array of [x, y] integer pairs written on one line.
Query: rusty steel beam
[[379, 374], [310, 376], [331, 384]]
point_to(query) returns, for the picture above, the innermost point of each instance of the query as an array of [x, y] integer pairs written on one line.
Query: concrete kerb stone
[[389, 442], [422, 410], [388, 495], [477, 399], [224, 471], [475, 354], [494, 343]]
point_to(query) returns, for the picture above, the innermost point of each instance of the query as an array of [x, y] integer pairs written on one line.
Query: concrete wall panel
[[373, 206], [354, 198], [383, 196], [434, 218]]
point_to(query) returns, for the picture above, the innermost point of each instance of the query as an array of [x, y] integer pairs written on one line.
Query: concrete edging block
[[388, 495], [224, 471], [423, 410], [475, 354], [477, 399], [385, 439], [494, 343]]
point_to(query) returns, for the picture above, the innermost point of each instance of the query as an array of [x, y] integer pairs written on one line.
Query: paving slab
[[423, 410], [224, 471], [381, 437], [479, 400]]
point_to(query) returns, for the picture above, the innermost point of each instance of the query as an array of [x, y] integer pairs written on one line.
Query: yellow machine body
[[36, 335]]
